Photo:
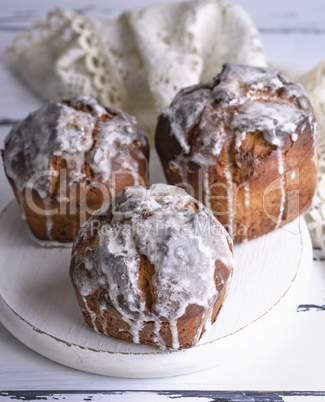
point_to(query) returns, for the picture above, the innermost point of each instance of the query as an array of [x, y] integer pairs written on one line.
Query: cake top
[[164, 226], [74, 134], [236, 83], [239, 99], [271, 119]]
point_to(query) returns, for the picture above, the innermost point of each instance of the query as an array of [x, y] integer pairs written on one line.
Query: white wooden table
[[292, 365]]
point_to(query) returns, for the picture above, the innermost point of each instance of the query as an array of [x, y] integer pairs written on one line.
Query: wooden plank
[[161, 396], [300, 14], [291, 32]]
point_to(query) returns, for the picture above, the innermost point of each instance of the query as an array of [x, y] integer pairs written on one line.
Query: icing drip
[[173, 330], [230, 200], [101, 312], [22, 212], [92, 315], [113, 140], [158, 340], [240, 100], [247, 209], [182, 245], [283, 194], [194, 101], [48, 220], [81, 133], [271, 119], [240, 137], [280, 161], [206, 186]]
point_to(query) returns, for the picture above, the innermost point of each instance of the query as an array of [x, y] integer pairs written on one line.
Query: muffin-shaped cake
[[152, 267], [245, 145], [67, 159]]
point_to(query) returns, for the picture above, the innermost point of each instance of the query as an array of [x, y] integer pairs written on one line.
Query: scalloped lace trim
[[79, 29], [96, 62], [119, 61]]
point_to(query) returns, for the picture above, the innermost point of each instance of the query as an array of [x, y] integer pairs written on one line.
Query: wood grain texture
[[292, 32], [162, 396]]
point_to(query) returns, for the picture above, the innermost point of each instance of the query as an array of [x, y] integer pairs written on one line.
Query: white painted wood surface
[[38, 305], [292, 32]]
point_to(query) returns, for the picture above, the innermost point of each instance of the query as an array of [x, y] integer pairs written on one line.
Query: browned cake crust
[[138, 288], [88, 153], [245, 145], [110, 322]]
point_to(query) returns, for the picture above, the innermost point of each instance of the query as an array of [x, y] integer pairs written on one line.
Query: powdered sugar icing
[[64, 131], [82, 133], [182, 244], [241, 99], [271, 119]]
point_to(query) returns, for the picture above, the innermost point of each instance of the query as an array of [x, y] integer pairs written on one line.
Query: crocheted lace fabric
[[139, 61]]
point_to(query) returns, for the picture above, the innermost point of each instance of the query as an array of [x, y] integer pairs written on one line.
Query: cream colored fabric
[[139, 61]]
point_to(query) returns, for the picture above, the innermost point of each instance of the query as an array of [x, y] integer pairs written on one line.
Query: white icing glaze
[[92, 315], [73, 138], [247, 208], [80, 131], [92, 106], [240, 137], [280, 161], [271, 119], [194, 101], [283, 194], [241, 99], [182, 244], [230, 199], [206, 185], [49, 223], [113, 140], [237, 83]]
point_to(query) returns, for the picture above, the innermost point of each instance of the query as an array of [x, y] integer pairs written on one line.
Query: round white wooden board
[[38, 305]]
